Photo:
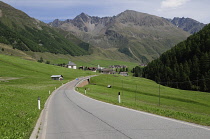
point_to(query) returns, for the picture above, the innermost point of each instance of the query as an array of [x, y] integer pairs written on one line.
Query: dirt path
[[133, 54]]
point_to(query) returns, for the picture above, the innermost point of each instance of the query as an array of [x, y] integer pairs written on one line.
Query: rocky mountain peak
[[187, 24], [82, 17], [140, 19], [56, 23], [88, 23], [128, 12]]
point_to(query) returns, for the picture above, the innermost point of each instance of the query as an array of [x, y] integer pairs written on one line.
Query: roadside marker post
[[159, 95], [85, 91], [119, 100], [39, 103], [49, 92], [55, 88]]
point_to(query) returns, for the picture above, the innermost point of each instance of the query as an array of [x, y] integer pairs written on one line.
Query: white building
[[57, 77], [100, 68], [71, 65]]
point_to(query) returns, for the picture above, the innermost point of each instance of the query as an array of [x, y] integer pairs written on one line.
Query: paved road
[[74, 116]]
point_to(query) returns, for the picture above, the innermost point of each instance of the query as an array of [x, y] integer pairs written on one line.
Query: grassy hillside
[[21, 82], [143, 94], [104, 58], [28, 34]]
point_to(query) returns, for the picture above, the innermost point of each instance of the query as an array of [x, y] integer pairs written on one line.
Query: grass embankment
[[143, 94], [21, 82]]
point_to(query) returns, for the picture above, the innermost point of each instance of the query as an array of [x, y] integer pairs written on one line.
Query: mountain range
[[128, 36], [187, 24], [138, 35]]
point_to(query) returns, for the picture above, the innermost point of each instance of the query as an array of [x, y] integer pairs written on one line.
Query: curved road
[[71, 115]]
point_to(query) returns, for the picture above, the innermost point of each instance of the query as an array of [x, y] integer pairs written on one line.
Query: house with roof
[[71, 65], [57, 77], [108, 71]]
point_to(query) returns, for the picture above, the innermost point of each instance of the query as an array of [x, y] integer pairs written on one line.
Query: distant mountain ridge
[[138, 35], [187, 24]]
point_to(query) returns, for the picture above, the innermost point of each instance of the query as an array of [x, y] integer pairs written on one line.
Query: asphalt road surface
[[74, 116]]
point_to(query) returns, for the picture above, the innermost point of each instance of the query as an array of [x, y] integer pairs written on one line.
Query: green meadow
[[146, 95], [21, 83]]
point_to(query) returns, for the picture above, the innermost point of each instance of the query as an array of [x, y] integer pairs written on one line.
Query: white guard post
[[119, 100], [39, 103]]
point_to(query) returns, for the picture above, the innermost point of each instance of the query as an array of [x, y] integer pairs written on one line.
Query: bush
[[47, 62], [40, 60]]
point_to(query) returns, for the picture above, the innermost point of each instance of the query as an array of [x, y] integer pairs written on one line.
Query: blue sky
[[48, 10]]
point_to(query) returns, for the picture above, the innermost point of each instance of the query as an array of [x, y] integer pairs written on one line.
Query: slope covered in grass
[[102, 58], [28, 34], [21, 82], [144, 94]]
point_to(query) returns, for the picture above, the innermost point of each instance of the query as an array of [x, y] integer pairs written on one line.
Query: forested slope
[[185, 66], [28, 34]]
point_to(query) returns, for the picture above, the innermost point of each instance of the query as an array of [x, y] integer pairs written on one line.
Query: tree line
[[185, 66]]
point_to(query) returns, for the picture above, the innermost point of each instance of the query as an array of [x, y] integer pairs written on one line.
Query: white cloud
[[172, 3], [70, 3]]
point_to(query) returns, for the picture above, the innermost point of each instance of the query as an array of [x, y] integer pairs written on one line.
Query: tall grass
[[143, 94]]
